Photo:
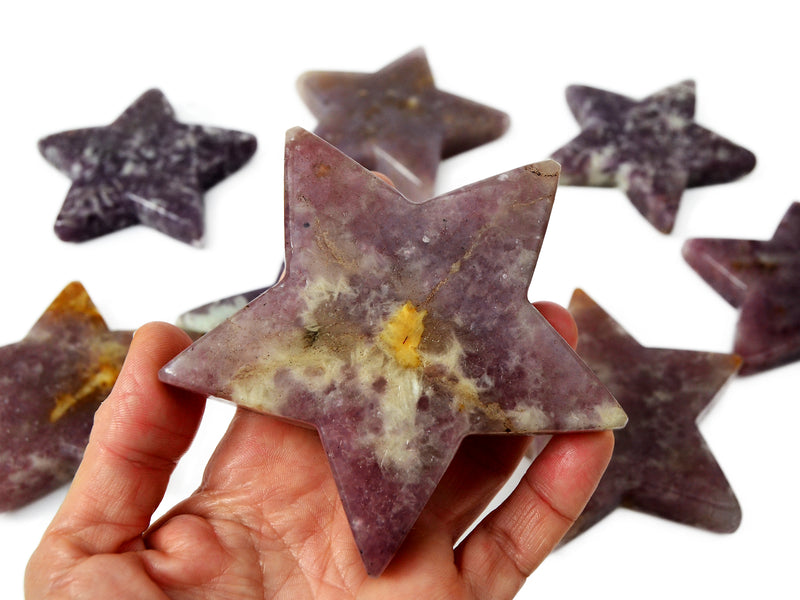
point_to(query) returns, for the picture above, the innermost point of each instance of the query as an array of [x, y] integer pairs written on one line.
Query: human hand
[[266, 521]]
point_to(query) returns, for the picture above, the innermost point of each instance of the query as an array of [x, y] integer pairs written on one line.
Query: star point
[[398, 329]]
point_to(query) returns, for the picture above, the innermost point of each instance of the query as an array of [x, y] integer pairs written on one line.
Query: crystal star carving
[[762, 279], [51, 383], [397, 122], [398, 329], [661, 464], [145, 167], [652, 149]]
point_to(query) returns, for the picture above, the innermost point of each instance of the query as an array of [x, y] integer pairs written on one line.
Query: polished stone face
[[145, 167], [652, 149], [398, 329], [762, 279], [397, 122], [51, 383], [661, 464]]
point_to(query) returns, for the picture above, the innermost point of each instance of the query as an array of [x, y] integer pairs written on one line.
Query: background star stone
[[398, 329], [652, 149], [397, 122], [661, 464], [762, 278], [146, 167], [51, 383]]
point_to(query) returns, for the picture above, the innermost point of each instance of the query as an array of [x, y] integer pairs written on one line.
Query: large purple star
[[145, 167], [51, 383], [652, 149], [398, 329], [661, 464], [762, 278], [397, 122]]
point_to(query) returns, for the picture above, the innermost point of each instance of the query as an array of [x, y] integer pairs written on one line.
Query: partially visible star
[[398, 329], [762, 279], [652, 149], [51, 383], [397, 122], [661, 463], [145, 167]]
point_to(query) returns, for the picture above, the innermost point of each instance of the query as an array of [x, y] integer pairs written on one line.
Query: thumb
[[140, 432]]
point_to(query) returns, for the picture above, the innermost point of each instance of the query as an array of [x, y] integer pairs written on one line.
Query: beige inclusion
[[319, 365]]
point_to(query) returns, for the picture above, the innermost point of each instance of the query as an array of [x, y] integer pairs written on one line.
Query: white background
[[234, 64]]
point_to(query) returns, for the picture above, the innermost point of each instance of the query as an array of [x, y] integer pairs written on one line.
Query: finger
[[140, 432], [506, 547], [483, 464], [561, 319]]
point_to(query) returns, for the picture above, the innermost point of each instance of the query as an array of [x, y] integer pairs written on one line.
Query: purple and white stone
[[762, 279], [145, 167], [51, 383], [398, 329], [652, 149], [661, 464], [395, 121]]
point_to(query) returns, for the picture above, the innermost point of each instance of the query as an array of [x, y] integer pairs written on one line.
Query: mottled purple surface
[[204, 318], [661, 464], [314, 347], [762, 279], [397, 122], [652, 149], [51, 383], [145, 167]]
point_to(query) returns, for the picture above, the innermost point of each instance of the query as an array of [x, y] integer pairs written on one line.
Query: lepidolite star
[[397, 122], [145, 167], [51, 383], [398, 329], [661, 464], [762, 278], [652, 149]]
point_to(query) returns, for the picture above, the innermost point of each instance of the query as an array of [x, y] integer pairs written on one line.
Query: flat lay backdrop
[[234, 64]]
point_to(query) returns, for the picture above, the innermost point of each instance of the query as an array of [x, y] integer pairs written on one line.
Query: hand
[[267, 521]]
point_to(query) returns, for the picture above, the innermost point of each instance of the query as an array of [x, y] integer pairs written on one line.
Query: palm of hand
[[267, 521]]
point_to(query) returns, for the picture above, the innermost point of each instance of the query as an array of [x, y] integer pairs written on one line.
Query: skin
[[266, 521]]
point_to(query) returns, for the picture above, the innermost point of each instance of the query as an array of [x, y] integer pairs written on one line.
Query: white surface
[[234, 64]]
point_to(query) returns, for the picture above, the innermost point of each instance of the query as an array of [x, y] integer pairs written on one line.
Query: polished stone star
[[51, 383], [145, 167], [762, 278], [398, 329], [397, 122], [652, 149], [661, 464]]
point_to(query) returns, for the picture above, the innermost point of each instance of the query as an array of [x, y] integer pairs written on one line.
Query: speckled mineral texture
[[661, 464], [202, 319], [652, 149], [397, 122], [762, 279], [398, 329], [51, 383], [146, 167]]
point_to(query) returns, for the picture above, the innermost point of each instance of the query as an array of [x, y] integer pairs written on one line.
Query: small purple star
[[652, 149], [398, 329], [51, 383], [661, 464], [397, 122], [145, 167], [762, 278]]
